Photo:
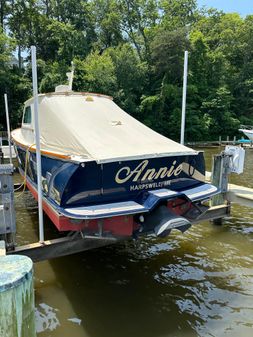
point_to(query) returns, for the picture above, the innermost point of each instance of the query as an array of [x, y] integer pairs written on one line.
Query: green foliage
[[50, 76], [218, 108], [178, 13], [131, 77], [6, 48], [167, 50], [12, 81], [96, 73], [133, 50]]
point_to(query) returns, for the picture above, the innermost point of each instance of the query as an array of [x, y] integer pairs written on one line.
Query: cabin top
[[68, 93], [91, 126]]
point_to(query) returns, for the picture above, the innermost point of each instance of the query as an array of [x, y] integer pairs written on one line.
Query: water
[[195, 284]]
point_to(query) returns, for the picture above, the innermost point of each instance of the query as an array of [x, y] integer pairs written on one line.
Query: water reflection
[[195, 284]]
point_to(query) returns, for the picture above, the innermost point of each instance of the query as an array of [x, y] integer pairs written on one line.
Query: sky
[[243, 7]]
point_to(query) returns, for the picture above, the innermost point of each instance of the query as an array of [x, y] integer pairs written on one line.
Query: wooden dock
[[238, 194], [209, 144]]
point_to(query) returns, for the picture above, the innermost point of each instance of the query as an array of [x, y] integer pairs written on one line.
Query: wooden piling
[[16, 297]]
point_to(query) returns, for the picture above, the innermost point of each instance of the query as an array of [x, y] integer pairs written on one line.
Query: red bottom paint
[[118, 225]]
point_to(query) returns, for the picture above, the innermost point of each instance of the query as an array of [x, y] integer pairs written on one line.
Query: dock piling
[[16, 297], [7, 210]]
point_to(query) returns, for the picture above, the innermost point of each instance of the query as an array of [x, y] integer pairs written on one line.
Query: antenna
[[184, 97]]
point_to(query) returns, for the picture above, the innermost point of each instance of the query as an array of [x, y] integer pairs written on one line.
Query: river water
[[199, 283]]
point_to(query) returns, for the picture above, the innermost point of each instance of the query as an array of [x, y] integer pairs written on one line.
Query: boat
[[104, 173], [247, 130]]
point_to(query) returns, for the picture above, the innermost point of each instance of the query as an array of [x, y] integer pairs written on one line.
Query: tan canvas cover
[[94, 127]]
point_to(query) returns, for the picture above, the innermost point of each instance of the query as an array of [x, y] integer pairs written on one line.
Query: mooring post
[[17, 307], [220, 170]]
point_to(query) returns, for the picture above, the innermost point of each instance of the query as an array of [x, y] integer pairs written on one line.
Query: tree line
[[133, 50]]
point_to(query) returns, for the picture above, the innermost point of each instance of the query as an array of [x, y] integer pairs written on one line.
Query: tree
[[131, 77], [167, 51], [138, 18], [95, 74], [218, 107], [4, 12], [12, 82], [178, 13], [133, 50], [108, 23]]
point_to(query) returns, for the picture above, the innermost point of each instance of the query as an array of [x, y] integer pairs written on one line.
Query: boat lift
[[231, 160], [75, 242]]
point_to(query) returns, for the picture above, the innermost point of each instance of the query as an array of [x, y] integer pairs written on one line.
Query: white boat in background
[[247, 130]]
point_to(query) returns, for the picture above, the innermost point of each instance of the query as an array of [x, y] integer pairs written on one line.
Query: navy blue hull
[[121, 198], [70, 184]]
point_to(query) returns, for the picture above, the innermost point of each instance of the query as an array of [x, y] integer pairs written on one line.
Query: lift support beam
[[50, 249], [74, 244]]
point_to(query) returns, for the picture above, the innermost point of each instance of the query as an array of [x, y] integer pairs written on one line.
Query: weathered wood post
[[220, 140], [17, 317]]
